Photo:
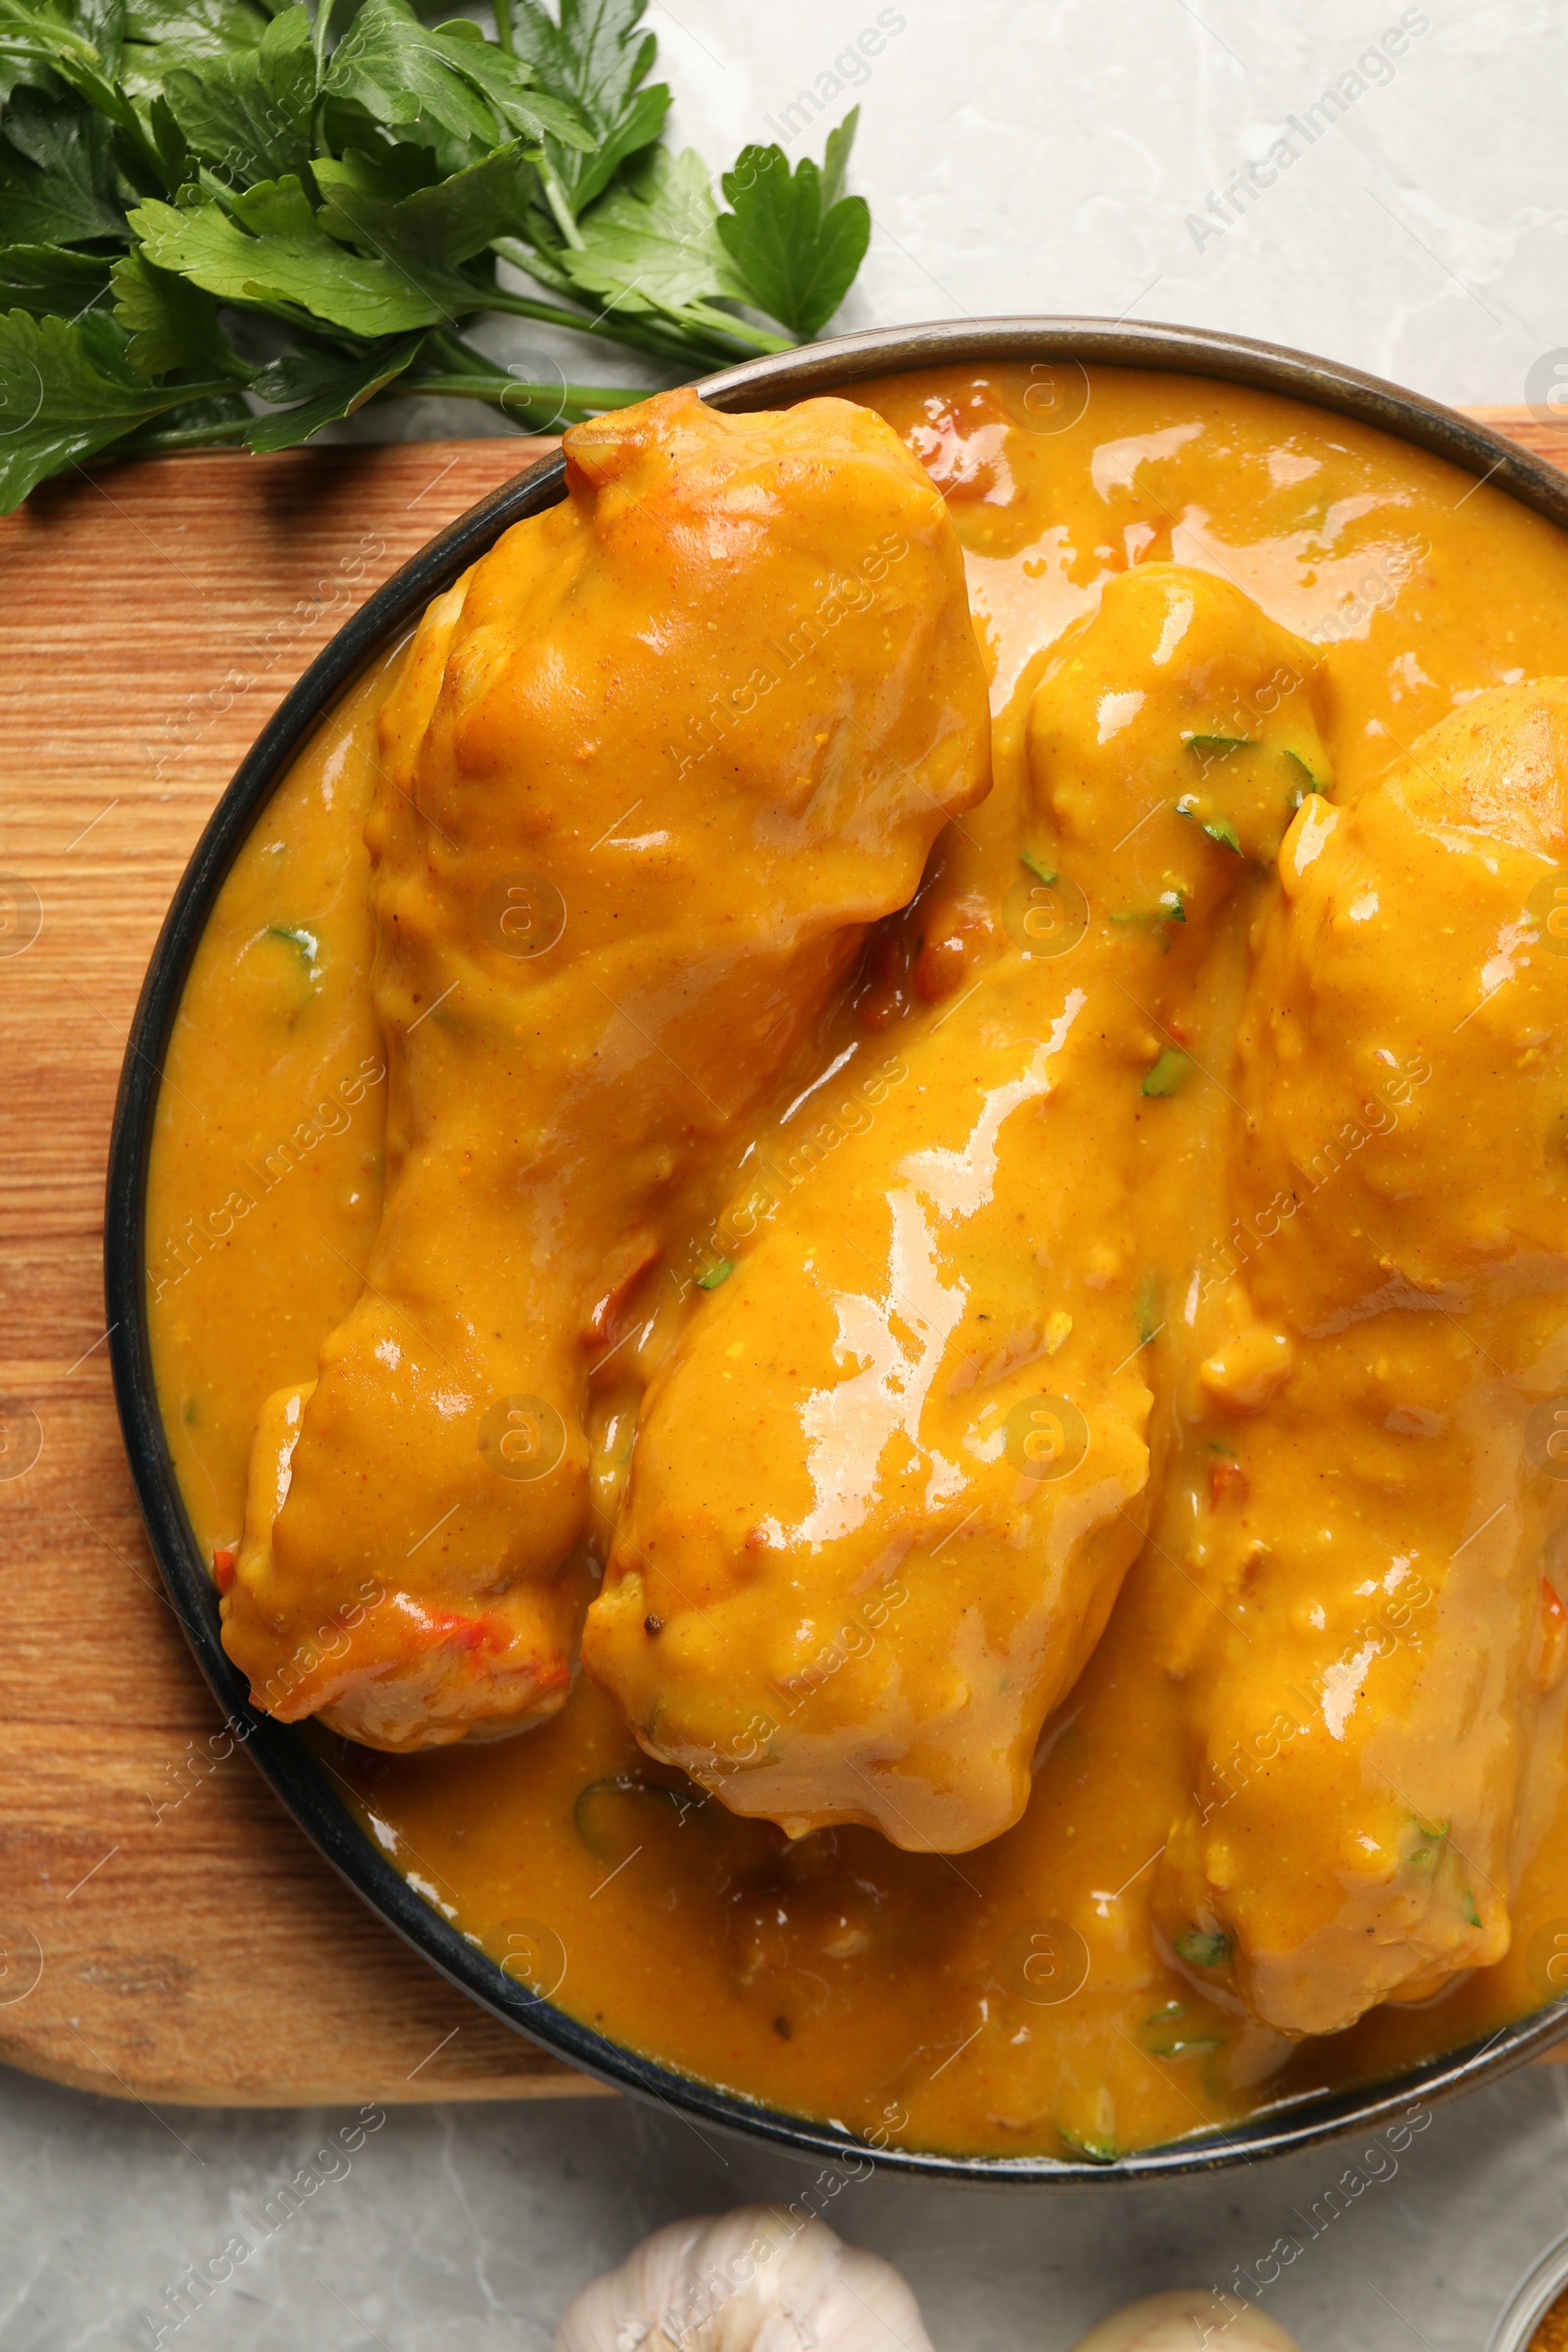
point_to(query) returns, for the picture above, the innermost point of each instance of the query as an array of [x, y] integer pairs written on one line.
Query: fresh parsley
[[235, 222]]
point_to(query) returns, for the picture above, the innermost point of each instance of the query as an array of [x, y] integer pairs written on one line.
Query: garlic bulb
[[757, 2280], [1183, 2321]]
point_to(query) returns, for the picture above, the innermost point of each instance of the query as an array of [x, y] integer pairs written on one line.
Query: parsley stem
[[187, 436], [556, 198], [483, 380], [725, 323], [524, 307], [663, 343], [504, 391], [461, 358], [565, 403], [504, 26]]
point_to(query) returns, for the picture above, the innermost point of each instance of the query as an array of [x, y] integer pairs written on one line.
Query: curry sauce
[[1222, 927]]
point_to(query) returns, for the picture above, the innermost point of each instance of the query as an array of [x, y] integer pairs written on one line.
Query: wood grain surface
[[198, 1951], [153, 617]]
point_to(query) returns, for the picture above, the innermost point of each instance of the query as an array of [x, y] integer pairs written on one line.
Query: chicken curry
[[878, 1147]]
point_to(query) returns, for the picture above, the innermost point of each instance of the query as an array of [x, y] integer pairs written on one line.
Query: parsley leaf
[[45, 278], [100, 21], [57, 182], [356, 174], [290, 261], [408, 78], [80, 45], [594, 63], [392, 67], [68, 392], [248, 115], [793, 253], [197, 27], [171, 322], [162, 35], [506, 83], [835, 158], [324, 387], [427, 235], [392, 170], [652, 239]]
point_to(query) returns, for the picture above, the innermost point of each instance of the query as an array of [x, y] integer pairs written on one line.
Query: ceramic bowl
[[282, 1754]]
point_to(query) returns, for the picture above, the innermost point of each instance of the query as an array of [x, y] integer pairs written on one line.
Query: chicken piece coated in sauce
[[1382, 1358], [886, 1488], [647, 770]]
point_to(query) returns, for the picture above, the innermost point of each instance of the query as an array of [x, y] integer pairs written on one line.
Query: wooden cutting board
[[193, 1952]]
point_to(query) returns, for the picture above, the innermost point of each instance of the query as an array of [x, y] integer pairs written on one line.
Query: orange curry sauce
[[1011, 1999]]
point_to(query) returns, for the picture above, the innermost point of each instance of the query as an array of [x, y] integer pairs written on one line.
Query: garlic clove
[[1187, 2319], [758, 2280]]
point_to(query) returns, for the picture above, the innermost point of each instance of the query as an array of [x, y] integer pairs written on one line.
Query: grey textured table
[[467, 2229], [1053, 157]]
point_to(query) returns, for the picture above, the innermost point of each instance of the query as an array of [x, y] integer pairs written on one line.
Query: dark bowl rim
[[295, 1772]]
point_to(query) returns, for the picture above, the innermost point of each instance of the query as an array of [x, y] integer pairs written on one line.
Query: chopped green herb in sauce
[[1168, 1075], [306, 942], [1199, 1949], [1219, 747]]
